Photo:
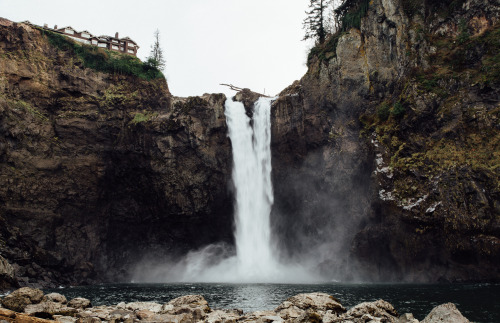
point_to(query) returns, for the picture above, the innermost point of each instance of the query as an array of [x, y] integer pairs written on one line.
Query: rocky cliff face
[[385, 156], [386, 151], [99, 171]]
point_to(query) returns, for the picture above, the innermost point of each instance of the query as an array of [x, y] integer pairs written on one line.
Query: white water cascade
[[256, 259], [254, 191]]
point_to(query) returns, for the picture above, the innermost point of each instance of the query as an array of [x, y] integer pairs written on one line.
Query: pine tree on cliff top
[[314, 24], [155, 58]]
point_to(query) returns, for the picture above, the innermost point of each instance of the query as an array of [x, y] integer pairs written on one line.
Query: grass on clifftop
[[103, 60]]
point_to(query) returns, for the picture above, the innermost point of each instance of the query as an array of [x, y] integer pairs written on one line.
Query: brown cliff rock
[[100, 170]]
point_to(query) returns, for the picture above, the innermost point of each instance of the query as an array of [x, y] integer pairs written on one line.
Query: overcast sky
[[249, 43]]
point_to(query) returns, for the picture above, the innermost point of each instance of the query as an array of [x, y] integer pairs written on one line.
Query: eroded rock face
[[388, 196], [7, 275], [99, 171]]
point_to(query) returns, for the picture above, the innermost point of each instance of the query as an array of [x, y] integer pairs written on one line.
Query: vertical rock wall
[[99, 171], [364, 174]]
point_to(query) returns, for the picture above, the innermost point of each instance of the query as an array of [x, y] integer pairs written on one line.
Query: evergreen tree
[[315, 22], [155, 58]]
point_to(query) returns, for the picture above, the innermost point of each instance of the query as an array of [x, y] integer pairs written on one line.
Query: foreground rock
[[446, 313], [301, 308], [19, 299]]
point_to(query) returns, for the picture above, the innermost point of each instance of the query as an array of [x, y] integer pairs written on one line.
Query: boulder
[[88, 320], [79, 303], [445, 313], [316, 301], [140, 306], [48, 309], [407, 318], [119, 315], [55, 297], [64, 319], [22, 297], [181, 318], [6, 314], [372, 311], [297, 306], [220, 316], [194, 305], [309, 317], [262, 317], [193, 301], [144, 315]]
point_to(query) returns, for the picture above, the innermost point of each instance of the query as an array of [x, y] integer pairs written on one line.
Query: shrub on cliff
[[103, 60]]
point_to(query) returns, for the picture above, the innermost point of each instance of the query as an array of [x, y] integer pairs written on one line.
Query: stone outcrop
[[311, 307], [101, 171], [383, 153], [21, 298], [7, 275], [445, 313]]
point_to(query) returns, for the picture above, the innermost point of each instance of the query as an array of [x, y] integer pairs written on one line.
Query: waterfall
[[254, 192], [255, 259]]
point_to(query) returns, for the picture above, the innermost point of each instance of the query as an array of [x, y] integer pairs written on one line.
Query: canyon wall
[[385, 156], [100, 171], [386, 152]]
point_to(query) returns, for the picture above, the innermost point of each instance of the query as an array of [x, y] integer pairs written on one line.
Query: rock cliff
[[101, 170], [386, 152]]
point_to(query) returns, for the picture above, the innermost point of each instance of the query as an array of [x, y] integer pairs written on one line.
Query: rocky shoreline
[[31, 305]]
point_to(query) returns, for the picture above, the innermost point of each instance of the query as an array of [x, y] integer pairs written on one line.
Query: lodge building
[[123, 45]]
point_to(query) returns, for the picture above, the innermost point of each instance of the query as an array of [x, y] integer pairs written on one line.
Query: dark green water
[[477, 302]]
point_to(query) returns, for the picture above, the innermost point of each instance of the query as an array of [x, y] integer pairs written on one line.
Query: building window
[[69, 31]]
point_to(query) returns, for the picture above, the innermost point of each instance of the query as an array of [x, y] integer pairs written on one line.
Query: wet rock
[[56, 298], [22, 297], [445, 313], [79, 303]]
